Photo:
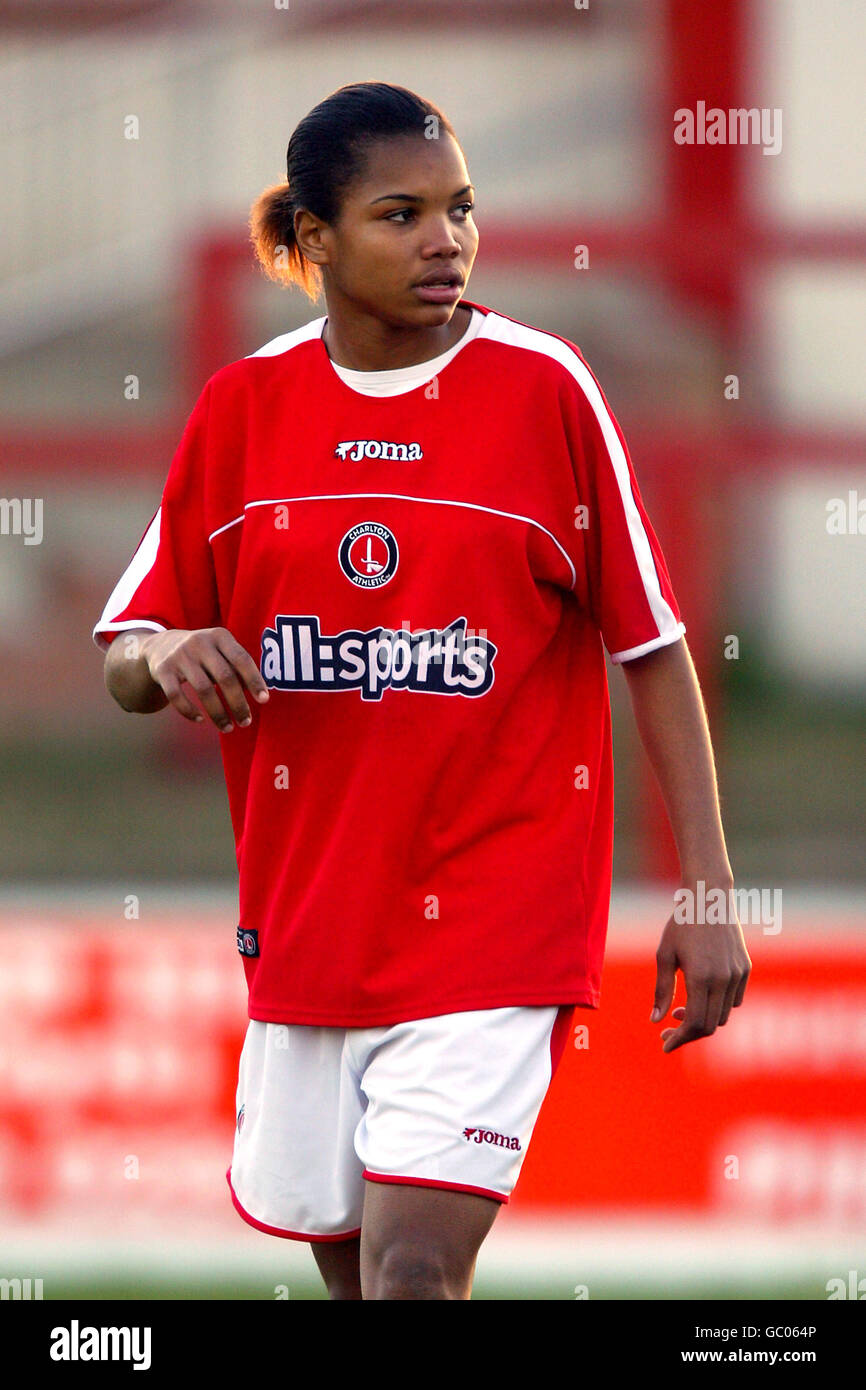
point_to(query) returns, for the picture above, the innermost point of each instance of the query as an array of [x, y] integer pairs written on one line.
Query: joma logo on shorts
[[358, 449], [487, 1136]]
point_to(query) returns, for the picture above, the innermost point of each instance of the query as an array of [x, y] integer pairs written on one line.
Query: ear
[[312, 235]]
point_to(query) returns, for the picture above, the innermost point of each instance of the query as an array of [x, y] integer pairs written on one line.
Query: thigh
[[421, 1242]]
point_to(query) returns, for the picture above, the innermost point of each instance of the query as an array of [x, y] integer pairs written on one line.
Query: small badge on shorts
[[248, 941]]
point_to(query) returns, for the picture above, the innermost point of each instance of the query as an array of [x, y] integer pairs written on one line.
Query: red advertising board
[[765, 1117], [119, 1045]]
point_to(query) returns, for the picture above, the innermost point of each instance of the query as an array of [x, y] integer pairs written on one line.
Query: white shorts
[[449, 1101]]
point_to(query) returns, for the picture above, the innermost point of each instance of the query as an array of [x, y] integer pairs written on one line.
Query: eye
[[410, 212]]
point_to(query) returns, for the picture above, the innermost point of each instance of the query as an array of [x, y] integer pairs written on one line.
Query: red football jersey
[[422, 811]]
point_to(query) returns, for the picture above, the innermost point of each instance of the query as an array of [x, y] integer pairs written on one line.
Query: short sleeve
[[170, 581], [622, 579]]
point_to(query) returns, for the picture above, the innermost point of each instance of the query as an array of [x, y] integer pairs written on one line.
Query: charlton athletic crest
[[368, 555]]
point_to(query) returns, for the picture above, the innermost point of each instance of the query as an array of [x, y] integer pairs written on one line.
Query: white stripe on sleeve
[[138, 568], [535, 340]]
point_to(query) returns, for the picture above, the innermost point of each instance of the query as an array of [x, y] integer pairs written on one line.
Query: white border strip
[[400, 497], [286, 341], [652, 645], [122, 627], [136, 571]]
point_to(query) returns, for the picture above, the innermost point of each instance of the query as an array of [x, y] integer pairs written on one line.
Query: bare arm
[[145, 671], [670, 716]]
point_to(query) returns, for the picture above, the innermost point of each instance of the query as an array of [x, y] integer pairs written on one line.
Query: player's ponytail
[[327, 151], [272, 231]]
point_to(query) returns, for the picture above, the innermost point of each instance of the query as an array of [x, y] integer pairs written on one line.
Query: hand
[[204, 657], [716, 968]]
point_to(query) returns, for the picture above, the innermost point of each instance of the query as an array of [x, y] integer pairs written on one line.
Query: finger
[[692, 1026], [741, 988], [666, 979], [174, 694], [223, 674], [679, 1013], [201, 683], [715, 1004], [247, 670], [730, 996]]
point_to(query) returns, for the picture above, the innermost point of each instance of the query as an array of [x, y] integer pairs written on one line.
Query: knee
[[408, 1270]]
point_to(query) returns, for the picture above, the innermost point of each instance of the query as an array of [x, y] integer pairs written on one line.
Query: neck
[[366, 344]]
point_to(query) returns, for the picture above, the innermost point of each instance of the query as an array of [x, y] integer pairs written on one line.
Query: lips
[[439, 278]]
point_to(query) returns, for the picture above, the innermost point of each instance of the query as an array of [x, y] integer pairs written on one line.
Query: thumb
[[666, 975]]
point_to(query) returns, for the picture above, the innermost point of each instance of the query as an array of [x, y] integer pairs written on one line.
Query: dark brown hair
[[326, 152]]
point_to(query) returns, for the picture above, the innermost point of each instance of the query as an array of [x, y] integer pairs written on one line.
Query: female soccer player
[[406, 531]]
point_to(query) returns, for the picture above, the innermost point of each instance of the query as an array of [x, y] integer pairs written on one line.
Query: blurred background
[[719, 293]]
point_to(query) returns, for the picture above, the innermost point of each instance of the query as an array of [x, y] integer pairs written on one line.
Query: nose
[[441, 239]]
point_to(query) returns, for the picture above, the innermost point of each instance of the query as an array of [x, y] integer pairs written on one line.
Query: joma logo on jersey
[[358, 449], [489, 1136], [296, 656]]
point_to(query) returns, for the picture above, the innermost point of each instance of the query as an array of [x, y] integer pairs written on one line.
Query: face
[[406, 219]]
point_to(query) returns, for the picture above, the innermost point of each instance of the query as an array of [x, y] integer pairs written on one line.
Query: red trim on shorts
[[435, 1182], [275, 1230], [559, 1034]]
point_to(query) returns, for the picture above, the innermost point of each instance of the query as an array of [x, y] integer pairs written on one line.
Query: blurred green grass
[[146, 1290]]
